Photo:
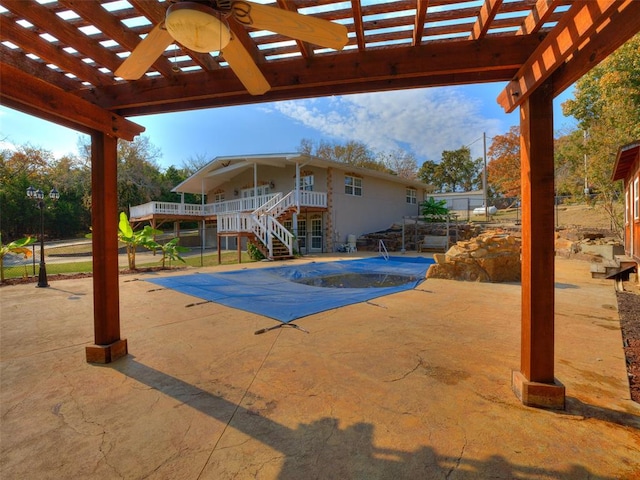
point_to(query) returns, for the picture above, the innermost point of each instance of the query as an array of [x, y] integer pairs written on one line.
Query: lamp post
[[38, 195]]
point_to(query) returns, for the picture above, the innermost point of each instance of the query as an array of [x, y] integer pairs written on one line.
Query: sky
[[424, 122]]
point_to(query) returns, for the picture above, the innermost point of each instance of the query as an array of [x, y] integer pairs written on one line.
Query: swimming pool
[[358, 280], [286, 293]]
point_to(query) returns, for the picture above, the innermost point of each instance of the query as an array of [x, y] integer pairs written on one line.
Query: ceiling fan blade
[[145, 54], [301, 27], [242, 64]]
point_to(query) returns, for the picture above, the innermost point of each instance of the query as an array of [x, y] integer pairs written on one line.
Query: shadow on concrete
[[576, 407], [322, 449]]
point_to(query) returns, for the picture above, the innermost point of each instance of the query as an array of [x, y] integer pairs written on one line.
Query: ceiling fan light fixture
[[197, 27]]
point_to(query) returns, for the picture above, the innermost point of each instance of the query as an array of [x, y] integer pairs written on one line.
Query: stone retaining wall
[[492, 256]]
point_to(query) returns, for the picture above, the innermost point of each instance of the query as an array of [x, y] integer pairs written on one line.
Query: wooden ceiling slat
[[40, 16], [243, 37], [305, 48], [538, 16], [421, 18], [487, 13], [357, 23], [92, 11], [37, 69], [31, 42], [392, 44]]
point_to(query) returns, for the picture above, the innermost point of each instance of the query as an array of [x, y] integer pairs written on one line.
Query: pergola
[[57, 60]]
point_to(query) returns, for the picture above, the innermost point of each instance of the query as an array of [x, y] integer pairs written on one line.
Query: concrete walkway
[[414, 385]]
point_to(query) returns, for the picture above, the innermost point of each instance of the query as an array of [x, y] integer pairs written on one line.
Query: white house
[[284, 202]]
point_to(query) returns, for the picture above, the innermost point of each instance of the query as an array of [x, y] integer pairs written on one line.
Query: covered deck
[[539, 49], [161, 212]]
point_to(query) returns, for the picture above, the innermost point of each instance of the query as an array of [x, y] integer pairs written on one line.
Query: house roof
[[625, 159], [58, 57], [474, 193], [223, 169]]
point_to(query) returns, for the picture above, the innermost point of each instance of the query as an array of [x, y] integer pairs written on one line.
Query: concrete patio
[[414, 385]]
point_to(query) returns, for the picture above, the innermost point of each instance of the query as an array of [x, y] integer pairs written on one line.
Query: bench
[[434, 242]]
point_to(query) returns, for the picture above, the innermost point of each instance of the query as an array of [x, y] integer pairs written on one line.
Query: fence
[[16, 266]]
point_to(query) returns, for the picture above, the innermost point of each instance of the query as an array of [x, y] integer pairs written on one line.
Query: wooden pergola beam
[[34, 96], [465, 61], [582, 20], [620, 27]]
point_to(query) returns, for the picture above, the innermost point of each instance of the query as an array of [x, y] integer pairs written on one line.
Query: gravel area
[[629, 311]]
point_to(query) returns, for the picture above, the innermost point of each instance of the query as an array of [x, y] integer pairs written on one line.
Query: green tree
[[460, 172], [606, 104], [72, 178], [20, 168], [435, 210], [429, 173], [570, 151], [133, 240], [172, 251], [455, 172]]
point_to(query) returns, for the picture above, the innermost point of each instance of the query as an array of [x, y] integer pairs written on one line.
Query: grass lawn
[[86, 266]]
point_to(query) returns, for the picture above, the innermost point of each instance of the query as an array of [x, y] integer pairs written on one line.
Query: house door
[[316, 234]]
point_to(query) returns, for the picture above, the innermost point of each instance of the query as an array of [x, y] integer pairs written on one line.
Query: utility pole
[[586, 183], [484, 177]]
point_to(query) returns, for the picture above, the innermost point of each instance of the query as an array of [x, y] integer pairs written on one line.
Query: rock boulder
[[493, 256]]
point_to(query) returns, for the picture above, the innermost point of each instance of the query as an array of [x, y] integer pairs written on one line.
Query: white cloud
[[425, 121]]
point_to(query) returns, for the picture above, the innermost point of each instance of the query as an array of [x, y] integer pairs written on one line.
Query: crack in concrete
[[458, 460], [420, 363], [104, 451]]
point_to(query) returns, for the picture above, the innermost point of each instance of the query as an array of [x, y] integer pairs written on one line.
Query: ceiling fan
[[202, 26]]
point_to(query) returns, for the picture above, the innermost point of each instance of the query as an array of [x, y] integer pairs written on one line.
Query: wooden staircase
[[619, 266], [263, 225], [280, 250]]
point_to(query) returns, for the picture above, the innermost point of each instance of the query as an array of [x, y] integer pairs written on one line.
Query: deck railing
[[252, 214], [165, 208], [249, 204], [234, 222]]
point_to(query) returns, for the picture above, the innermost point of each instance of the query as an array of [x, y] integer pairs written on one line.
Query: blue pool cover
[[273, 292]]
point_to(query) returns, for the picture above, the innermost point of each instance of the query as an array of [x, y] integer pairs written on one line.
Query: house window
[[218, 197], [250, 192], [636, 198], [306, 183], [302, 231], [627, 204], [412, 196], [352, 185]]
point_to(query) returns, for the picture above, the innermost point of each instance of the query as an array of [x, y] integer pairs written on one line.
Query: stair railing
[[282, 205], [281, 233], [266, 206], [382, 248]]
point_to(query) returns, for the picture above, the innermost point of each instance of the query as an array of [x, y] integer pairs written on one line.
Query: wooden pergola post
[[106, 297], [535, 384]]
